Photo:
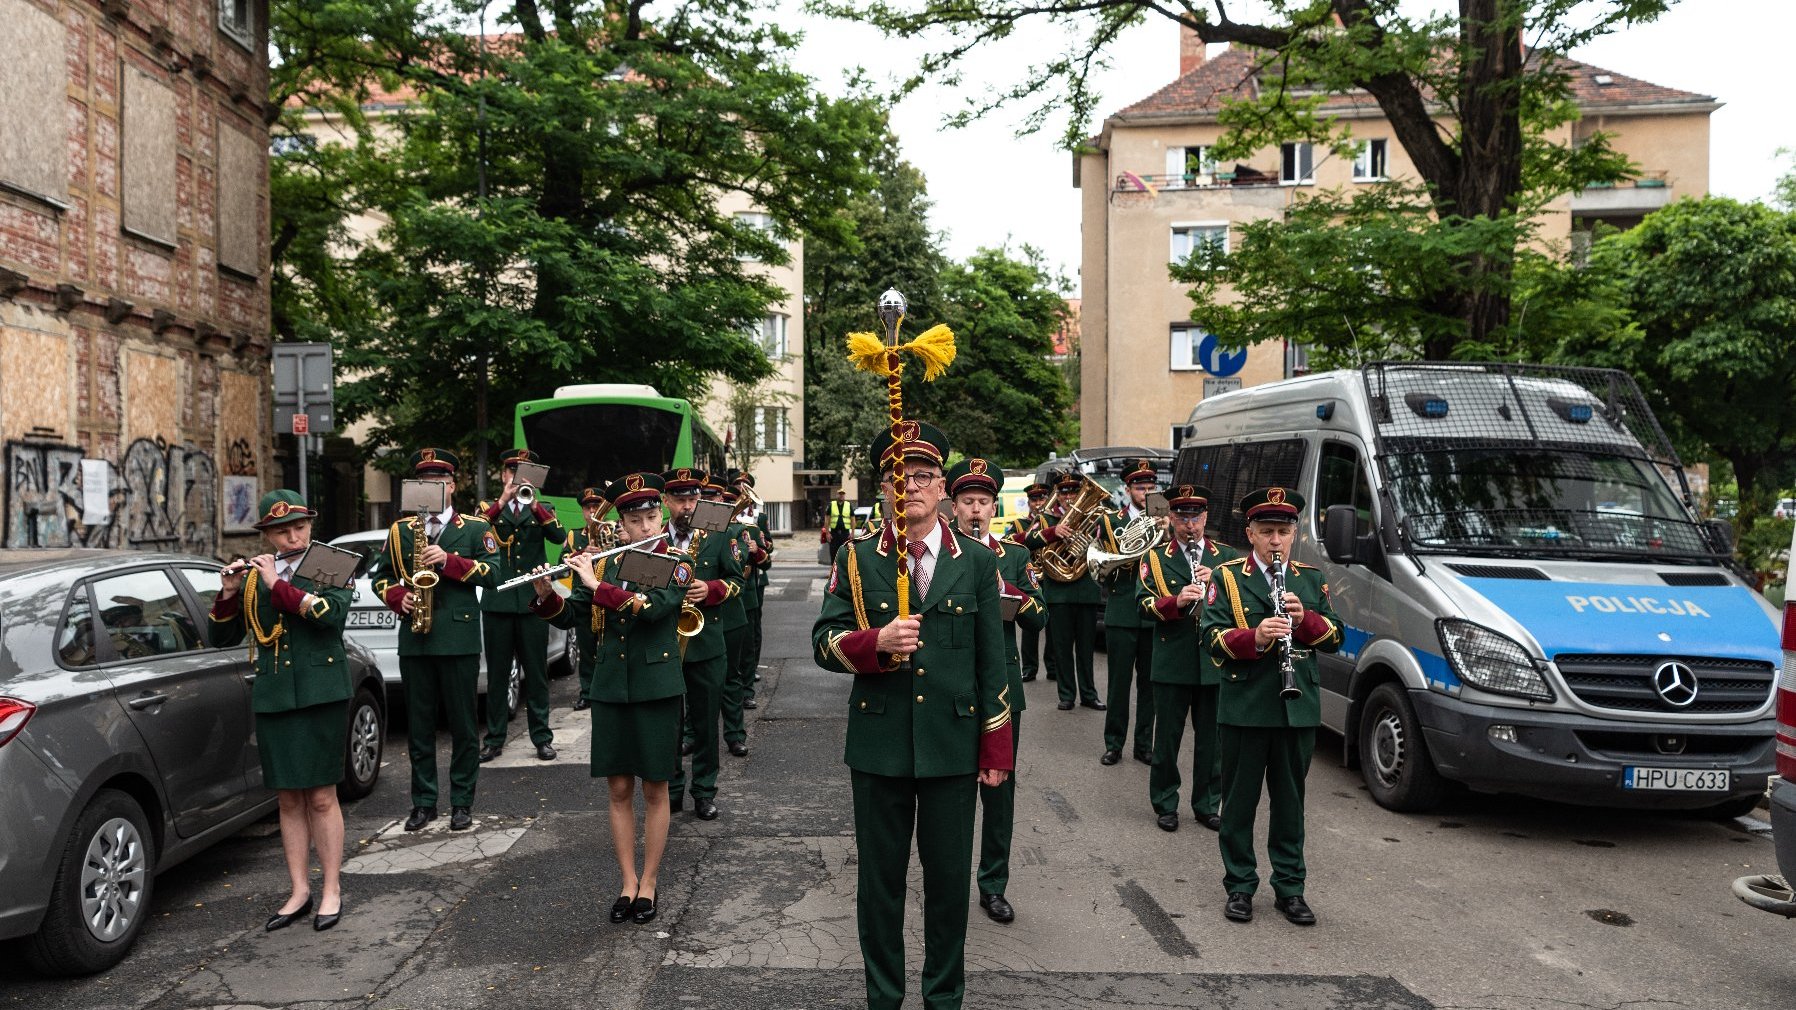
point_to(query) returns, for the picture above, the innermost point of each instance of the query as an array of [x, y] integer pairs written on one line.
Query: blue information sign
[[1217, 361]]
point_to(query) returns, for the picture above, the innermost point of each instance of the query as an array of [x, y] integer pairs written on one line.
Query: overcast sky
[[990, 186]]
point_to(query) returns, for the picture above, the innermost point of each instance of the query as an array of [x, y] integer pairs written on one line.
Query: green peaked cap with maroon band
[[1275, 504], [282, 506], [974, 474], [918, 438]]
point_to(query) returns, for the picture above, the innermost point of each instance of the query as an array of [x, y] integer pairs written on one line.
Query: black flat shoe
[[420, 816], [996, 907], [581, 704], [1144, 757], [1296, 910], [1110, 757], [642, 911], [322, 922], [544, 752], [738, 749], [1168, 822], [750, 704], [1239, 907], [1066, 706], [620, 909], [1027, 677], [461, 819], [491, 751], [687, 747], [281, 920], [1095, 706], [704, 809], [1211, 821]]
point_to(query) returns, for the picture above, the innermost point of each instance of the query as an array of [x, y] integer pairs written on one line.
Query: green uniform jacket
[[720, 568], [1180, 655], [1240, 599], [305, 664], [948, 711], [636, 656], [455, 622], [1120, 607], [523, 544], [1020, 579], [1083, 589]]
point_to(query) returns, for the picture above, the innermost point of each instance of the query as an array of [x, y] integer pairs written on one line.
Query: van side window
[[1341, 480], [1231, 470]]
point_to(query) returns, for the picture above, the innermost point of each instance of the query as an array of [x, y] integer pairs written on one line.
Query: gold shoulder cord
[[261, 637], [1228, 580], [598, 612], [854, 590], [1153, 563]]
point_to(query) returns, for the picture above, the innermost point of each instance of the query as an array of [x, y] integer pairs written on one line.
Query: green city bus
[[591, 434]]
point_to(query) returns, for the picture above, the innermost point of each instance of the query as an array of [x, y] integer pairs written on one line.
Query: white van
[[1529, 604]]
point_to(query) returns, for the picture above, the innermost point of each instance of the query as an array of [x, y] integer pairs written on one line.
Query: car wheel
[[101, 894], [514, 689], [361, 759], [1393, 758]]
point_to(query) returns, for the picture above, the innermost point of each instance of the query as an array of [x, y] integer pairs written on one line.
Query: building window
[[758, 221], [1189, 166], [770, 335], [34, 140], [1297, 165], [1178, 436], [147, 157], [1297, 359], [772, 433], [779, 517], [1186, 340], [1186, 238], [1368, 161], [237, 19]]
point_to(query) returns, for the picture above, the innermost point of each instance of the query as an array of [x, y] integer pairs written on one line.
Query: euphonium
[[1142, 534], [423, 580]]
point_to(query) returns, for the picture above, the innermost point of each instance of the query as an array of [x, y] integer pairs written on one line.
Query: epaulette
[[865, 534], [472, 517], [483, 506], [1298, 564], [1233, 561], [1013, 541], [1218, 543]]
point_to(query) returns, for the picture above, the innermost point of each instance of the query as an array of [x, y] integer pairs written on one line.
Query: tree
[[1478, 118], [1003, 399], [1784, 190], [1711, 285], [552, 198]]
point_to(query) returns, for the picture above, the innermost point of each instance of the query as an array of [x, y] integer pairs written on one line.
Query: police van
[[1529, 604]]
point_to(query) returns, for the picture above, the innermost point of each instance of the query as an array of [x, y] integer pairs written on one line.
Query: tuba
[[1064, 559], [1142, 534], [423, 581]]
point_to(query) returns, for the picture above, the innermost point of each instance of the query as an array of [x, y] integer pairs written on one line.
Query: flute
[[555, 571], [243, 564]]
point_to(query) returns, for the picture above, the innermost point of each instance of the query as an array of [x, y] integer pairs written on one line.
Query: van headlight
[[1490, 661]]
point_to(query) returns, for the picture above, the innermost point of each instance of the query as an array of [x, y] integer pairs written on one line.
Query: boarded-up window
[[147, 157], [34, 87], [242, 174]]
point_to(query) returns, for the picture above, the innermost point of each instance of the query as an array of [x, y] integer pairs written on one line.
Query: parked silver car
[[127, 744], [375, 626]]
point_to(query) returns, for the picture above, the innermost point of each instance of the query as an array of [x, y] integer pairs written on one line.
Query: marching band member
[[1029, 648], [1072, 609], [973, 491], [716, 584], [1128, 642], [441, 667], [1174, 581], [300, 695], [523, 533], [636, 688], [739, 679], [1267, 737], [587, 540]]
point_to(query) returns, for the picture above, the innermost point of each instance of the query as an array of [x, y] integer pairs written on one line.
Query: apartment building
[[1151, 190]]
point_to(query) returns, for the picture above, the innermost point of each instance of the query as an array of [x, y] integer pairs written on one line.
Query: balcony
[[1242, 176], [1623, 199]]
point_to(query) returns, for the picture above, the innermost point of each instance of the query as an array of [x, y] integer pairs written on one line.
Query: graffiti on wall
[[160, 497]]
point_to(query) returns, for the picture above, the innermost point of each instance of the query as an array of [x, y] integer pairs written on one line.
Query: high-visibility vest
[[841, 513]]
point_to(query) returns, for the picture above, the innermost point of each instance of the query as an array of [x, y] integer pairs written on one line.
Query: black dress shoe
[[750, 704], [281, 920], [1168, 822], [460, 818], [620, 909], [687, 747], [491, 751], [1296, 910], [420, 816], [1066, 706], [1239, 907], [738, 749], [1110, 757], [1027, 677], [705, 809], [581, 704], [1095, 706], [642, 911], [322, 922], [545, 752], [1211, 821], [1144, 757], [996, 907]]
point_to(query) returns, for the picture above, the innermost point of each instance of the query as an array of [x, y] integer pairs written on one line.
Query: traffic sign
[[303, 384], [1215, 360], [302, 424]]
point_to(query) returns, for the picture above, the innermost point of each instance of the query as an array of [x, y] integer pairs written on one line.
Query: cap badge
[[633, 482], [977, 466], [909, 431], [279, 510], [427, 455], [1275, 496]]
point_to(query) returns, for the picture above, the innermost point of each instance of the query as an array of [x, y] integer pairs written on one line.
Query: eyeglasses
[[919, 480]]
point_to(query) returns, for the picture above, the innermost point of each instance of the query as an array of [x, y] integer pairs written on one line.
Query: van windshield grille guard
[[1502, 458]]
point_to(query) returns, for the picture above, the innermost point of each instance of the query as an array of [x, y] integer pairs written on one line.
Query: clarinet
[[1194, 557], [1287, 672]]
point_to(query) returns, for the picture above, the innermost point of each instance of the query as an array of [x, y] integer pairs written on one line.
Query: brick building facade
[[134, 303]]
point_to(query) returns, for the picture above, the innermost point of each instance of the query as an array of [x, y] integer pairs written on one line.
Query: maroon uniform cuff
[[492, 511], [758, 556], [547, 607], [611, 597], [395, 597], [1048, 535], [1313, 628], [996, 750], [287, 597], [716, 591], [226, 607], [1168, 608], [1239, 643], [861, 650], [542, 513], [457, 567]]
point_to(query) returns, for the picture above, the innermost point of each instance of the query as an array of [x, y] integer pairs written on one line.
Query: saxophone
[[691, 620], [423, 580]]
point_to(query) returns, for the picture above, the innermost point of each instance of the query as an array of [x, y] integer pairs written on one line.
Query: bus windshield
[[591, 443], [1492, 500]]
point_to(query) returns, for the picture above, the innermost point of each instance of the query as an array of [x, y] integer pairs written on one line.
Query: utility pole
[[480, 465]]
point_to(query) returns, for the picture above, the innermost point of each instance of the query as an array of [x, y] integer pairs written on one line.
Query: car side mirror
[[1721, 534], [1339, 538]]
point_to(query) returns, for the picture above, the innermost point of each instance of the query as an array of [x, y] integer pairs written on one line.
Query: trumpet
[[526, 495], [558, 570]]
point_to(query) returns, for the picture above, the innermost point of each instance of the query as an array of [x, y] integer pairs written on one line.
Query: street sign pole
[[304, 398]]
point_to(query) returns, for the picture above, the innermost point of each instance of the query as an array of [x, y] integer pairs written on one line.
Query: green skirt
[[640, 738], [303, 749]]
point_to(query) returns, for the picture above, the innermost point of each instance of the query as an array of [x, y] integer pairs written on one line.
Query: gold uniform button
[[969, 710], [330, 659], [919, 671], [287, 663], [957, 610], [919, 699], [863, 706], [882, 606]]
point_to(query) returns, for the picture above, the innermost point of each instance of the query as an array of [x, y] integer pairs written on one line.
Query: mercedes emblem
[[1675, 682]]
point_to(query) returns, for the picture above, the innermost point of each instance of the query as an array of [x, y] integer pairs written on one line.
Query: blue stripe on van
[[1435, 669]]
